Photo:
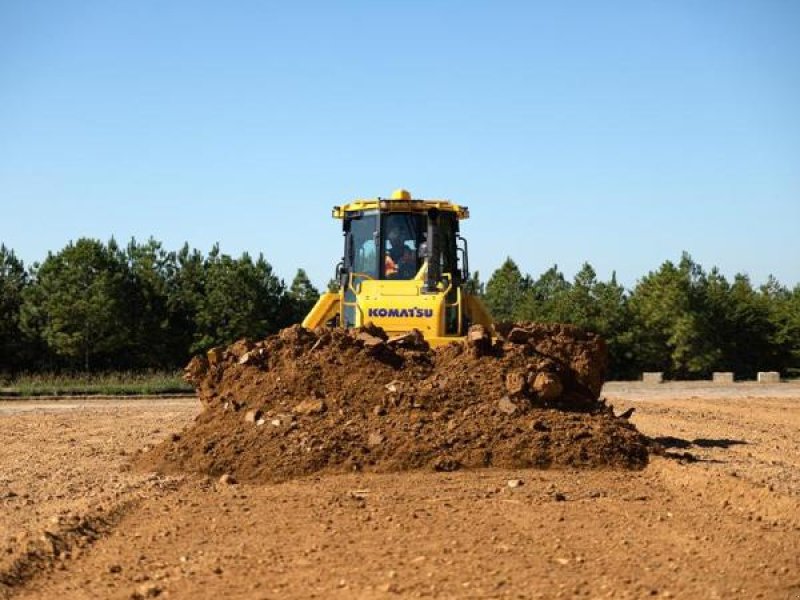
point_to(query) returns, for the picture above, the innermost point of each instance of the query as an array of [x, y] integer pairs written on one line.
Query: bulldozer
[[405, 267]]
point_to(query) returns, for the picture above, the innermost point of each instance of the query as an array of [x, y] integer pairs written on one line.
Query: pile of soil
[[304, 401]]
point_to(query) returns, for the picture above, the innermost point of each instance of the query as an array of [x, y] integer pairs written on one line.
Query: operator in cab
[[400, 260]]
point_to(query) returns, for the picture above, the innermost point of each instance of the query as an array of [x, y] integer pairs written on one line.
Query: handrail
[[458, 303], [356, 292]]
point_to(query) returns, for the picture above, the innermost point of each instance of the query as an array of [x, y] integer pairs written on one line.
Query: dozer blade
[[326, 308]]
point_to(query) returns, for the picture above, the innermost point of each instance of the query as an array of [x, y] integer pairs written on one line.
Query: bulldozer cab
[[394, 246], [404, 266]]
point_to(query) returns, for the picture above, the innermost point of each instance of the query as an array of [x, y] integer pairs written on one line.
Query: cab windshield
[[403, 246], [393, 246]]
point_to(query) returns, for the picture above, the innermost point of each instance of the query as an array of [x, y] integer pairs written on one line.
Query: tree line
[[97, 306], [678, 319]]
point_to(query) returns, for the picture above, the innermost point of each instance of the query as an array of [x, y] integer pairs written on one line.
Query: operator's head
[[395, 235]]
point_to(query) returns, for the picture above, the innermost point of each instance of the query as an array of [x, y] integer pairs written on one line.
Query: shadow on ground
[[668, 442]]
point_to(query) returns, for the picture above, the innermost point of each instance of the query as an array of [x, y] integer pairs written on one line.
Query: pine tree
[[670, 325], [474, 285], [302, 295], [76, 304], [545, 300], [505, 291], [13, 280], [186, 287], [150, 268], [243, 299]]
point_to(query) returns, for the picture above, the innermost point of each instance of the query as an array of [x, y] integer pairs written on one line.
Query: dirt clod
[[506, 406], [547, 386], [310, 407], [227, 479], [252, 416]]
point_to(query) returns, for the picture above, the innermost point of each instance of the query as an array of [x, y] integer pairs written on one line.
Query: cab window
[[364, 255], [402, 237]]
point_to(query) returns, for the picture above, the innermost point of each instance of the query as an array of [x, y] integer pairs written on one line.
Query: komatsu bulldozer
[[405, 267]]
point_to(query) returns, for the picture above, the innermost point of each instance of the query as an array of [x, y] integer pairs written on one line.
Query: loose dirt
[[330, 400], [723, 524]]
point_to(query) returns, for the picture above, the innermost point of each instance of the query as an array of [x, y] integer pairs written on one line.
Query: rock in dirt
[[370, 342], [515, 383], [375, 439], [215, 356], [310, 407], [252, 416], [393, 386], [227, 479], [530, 402], [518, 335], [627, 414], [547, 386], [412, 339], [506, 406], [147, 590], [479, 340]]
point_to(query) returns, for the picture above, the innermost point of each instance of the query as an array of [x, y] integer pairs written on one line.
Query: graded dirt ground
[[719, 517]]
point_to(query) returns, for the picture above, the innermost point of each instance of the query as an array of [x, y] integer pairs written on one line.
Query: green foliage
[[302, 296], [612, 320], [13, 280], [185, 290], [149, 270], [587, 302], [745, 332], [474, 285], [116, 383], [670, 327], [242, 298], [689, 323], [76, 304], [95, 307], [788, 318], [677, 319], [505, 291], [546, 299]]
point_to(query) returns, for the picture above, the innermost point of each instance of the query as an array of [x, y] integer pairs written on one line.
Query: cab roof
[[401, 201]]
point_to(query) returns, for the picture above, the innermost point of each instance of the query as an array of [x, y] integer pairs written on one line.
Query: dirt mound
[[306, 401]]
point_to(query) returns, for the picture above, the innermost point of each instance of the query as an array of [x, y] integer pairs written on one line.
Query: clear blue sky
[[615, 132]]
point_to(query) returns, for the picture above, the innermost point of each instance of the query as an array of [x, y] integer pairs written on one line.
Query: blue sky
[[619, 133]]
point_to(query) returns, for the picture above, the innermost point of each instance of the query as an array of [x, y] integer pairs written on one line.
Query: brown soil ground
[[720, 518]]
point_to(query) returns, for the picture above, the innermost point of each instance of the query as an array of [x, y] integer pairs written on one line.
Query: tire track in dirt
[[65, 484], [58, 544]]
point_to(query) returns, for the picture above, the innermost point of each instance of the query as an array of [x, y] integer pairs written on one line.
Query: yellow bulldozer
[[405, 267]]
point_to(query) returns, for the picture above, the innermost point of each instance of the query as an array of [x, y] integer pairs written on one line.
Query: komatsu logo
[[400, 313]]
